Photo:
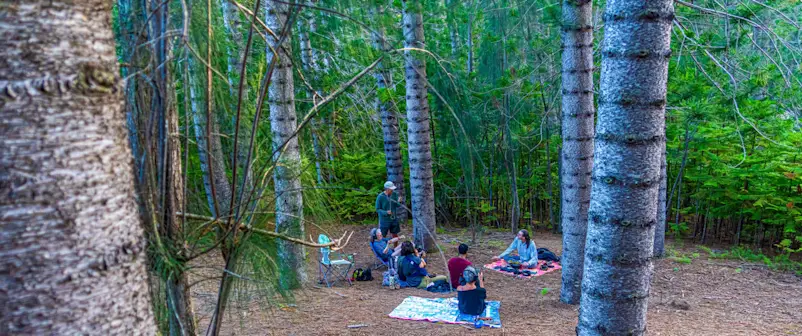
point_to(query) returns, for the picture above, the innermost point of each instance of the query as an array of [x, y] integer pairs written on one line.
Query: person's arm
[[509, 249], [481, 279], [379, 206]]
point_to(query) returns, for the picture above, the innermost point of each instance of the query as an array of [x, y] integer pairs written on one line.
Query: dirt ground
[[706, 297]]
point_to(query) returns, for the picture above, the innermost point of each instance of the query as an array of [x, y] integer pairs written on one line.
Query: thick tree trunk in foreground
[[418, 129], [390, 129], [576, 156], [71, 246], [629, 144], [286, 176]]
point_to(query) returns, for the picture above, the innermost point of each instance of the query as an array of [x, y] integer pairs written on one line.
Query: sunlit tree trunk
[[577, 137], [418, 127], [72, 249], [286, 176], [629, 143], [390, 129]]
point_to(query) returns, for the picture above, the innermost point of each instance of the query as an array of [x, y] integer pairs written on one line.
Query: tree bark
[[72, 248], [576, 156], [630, 137], [660, 229], [390, 129], [311, 67], [419, 137], [286, 175], [232, 21], [169, 176], [210, 152]]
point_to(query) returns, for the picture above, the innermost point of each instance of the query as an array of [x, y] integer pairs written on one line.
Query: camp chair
[[333, 266], [379, 262]]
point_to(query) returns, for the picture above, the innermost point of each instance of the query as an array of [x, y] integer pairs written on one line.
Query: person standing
[[386, 206]]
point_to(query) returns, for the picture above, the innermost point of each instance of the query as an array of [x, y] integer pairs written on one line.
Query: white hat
[[389, 185]]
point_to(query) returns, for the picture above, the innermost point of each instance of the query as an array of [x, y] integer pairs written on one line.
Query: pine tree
[[286, 175], [418, 127], [72, 245], [577, 132], [629, 144]]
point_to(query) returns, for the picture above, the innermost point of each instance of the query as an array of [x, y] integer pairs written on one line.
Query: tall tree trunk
[[169, 176], [630, 137], [390, 129], [576, 156], [232, 21], [311, 67], [72, 249], [419, 137], [554, 225], [660, 229], [286, 175], [452, 27], [509, 162], [181, 314], [210, 152]]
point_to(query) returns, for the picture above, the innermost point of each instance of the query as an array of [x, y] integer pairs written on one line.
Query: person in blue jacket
[[527, 251]]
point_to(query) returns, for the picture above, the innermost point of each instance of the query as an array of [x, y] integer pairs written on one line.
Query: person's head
[[463, 249], [523, 235], [470, 275], [407, 248], [389, 186], [375, 234]]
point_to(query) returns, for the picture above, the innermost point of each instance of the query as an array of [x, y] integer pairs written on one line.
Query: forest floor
[[705, 297]]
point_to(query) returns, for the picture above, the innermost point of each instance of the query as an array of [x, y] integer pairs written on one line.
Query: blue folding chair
[[333, 266], [379, 261]]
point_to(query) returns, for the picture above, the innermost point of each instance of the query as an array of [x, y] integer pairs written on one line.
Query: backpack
[[390, 279], [546, 255], [362, 275]]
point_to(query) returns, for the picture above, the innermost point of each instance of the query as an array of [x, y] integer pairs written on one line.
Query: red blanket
[[502, 263]]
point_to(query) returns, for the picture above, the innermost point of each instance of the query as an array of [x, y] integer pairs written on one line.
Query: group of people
[[411, 263]]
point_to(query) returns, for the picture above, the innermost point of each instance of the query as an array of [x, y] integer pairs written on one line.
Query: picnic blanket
[[492, 266], [444, 310]]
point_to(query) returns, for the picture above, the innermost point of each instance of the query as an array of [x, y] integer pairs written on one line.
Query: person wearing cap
[[386, 206], [471, 296]]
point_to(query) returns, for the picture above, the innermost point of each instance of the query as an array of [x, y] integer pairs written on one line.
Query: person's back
[[458, 264], [471, 297]]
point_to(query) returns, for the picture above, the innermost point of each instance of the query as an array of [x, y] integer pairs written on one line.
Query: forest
[[188, 167]]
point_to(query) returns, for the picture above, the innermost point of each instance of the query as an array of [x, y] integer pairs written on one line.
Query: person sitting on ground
[[471, 296], [458, 264], [412, 267], [527, 251], [381, 245]]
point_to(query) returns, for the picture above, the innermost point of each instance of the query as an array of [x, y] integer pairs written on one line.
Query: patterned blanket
[[501, 263], [443, 310]]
